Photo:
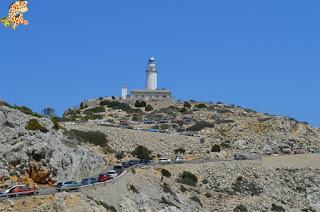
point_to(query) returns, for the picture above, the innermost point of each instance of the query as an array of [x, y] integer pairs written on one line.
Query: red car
[[103, 178], [18, 190]]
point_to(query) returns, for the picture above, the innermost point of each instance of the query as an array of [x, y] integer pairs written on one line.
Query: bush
[[201, 105], [26, 110], [188, 178], [137, 117], [149, 108], [216, 148], [240, 208], [142, 152], [180, 150], [120, 155], [91, 116], [165, 173], [100, 109], [133, 189], [187, 105], [140, 103], [93, 137], [3, 103], [167, 189], [205, 181], [119, 106], [183, 189], [55, 121], [34, 125], [277, 208], [200, 125], [196, 199], [207, 195], [166, 202], [245, 187]]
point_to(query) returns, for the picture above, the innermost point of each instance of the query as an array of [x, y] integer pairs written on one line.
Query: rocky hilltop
[[32, 150]]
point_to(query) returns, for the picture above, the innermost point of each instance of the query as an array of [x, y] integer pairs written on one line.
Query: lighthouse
[[152, 78]]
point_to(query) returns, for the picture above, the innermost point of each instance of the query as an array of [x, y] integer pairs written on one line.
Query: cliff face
[[42, 156]]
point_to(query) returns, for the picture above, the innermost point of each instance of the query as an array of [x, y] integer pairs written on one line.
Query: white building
[[151, 91]]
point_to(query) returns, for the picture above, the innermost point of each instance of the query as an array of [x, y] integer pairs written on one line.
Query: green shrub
[[166, 202], [119, 106], [34, 125], [187, 105], [137, 117], [167, 189], [142, 152], [93, 137], [3, 103], [140, 103], [207, 195], [180, 151], [216, 148], [196, 199], [240, 208], [183, 189], [188, 178], [200, 125], [55, 121], [149, 108], [100, 109], [201, 105], [91, 116], [183, 110], [165, 173], [133, 189], [277, 208], [205, 181], [26, 110], [120, 155], [245, 187]]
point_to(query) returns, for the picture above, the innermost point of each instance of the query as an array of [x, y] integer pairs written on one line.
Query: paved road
[[50, 191]]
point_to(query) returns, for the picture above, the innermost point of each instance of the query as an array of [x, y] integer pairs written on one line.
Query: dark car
[[118, 168], [89, 181], [144, 161], [240, 157], [133, 162], [125, 164], [18, 190], [103, 177], [67, 186]]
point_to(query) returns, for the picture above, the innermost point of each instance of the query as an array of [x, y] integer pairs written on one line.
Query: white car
[[179, 160], [112, 174], [164, 160]]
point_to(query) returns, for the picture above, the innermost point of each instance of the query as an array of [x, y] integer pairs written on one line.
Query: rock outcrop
[[44, 156]]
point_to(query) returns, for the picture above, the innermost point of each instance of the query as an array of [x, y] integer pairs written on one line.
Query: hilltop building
[[151, 91]]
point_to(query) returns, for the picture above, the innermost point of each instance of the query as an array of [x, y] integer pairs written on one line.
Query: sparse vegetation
[[34, 125], [165, 173], [100, 109], [166, 202], [180, 151], [149, 108], [207, 195], [201, 105], [142, 152], [200, 125], [93, 137], [133, 189], [277, 208], [167, 189], [196, 199], [188, 178], [183, 189], [240, 208], [216, 148], [187, 105], [26, 110], [120, 155], [119, 106], [139, 103], [55, 120], [243, 186]]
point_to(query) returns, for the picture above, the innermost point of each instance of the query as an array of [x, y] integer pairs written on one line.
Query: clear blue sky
[[258, 54]]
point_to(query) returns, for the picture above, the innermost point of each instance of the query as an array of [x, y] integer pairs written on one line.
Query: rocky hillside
[[201, 130], [284, 183], [33, 150]]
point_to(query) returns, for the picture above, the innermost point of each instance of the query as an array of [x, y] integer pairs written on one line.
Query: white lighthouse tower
[[152, 78]]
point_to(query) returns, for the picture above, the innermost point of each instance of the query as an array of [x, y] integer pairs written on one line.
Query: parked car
[[179, 159], [118, 168], [103, 177], [67, 186], [18, 190], [112, 174], [125, 164], [153, 130], [89, 181], [164, 160], [144, 161], [298, 151], [133, 162], [240, 157]]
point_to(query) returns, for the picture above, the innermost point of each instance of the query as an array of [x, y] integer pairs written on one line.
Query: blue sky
[[258, 54]]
